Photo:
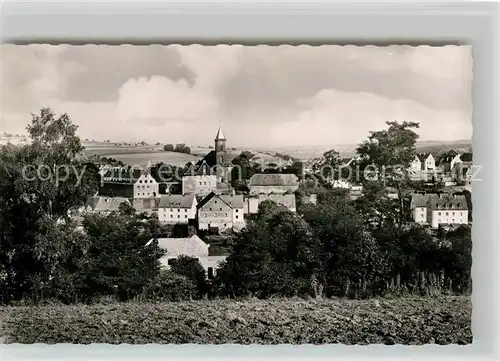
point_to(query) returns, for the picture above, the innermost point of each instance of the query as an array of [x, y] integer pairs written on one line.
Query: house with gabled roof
[[191, 247], [439, 209], [220, 212], [266, 183], [104, 205], [177, 208]]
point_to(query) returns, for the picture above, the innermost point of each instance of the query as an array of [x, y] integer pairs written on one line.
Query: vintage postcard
[[236, 194]]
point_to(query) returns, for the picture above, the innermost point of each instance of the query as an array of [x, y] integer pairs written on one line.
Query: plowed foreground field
[[415, 321]]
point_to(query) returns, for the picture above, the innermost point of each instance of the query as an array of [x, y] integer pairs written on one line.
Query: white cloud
[[335, 117], [161, 98]]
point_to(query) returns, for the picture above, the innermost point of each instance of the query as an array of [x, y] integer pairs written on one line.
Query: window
[[140, 181], [178, 216], [215, 202], [210, 208], [221, 208], [186, 216], [171, 216], [185, 210], [439, 213], [178, 210], [446, 213], [452, 221], [210, 273], [151, 181], [439, 220], [237, 211], [452, 213], [236, 217], [226, 214]]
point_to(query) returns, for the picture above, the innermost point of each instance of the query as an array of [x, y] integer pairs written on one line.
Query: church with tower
[[212, 172]]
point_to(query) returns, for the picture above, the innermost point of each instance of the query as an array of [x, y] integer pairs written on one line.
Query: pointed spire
[[220, 134]]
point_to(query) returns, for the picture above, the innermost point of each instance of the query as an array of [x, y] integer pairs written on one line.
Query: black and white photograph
[[230, 194]]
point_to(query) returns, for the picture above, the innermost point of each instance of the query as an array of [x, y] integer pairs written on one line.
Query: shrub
[[169, 286]]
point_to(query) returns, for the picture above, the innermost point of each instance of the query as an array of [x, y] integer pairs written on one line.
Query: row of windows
[[452, 213], [216, 215], [172, 210], [178, 216], [452, 221], [151, 181]]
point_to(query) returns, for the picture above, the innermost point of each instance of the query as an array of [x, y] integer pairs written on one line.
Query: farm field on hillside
[[442, 320]]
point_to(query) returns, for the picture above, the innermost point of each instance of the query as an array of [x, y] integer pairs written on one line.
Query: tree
[[274, 255], [327, 166], [33, 203], [352, 262], [118, 260], [191, 268], [390, 152], [168, 147]]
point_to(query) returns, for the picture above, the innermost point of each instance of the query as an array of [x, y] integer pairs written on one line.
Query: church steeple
[[220, 134], [220, 147]]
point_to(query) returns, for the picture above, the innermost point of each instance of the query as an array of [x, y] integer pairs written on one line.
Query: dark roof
[[466, 157], [176, 201], [439, 201], [233, 201], [203, 166], [122, 175], [423, 156], [448, 201], [274, 179]]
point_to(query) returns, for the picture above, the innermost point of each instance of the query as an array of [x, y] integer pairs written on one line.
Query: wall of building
[[420, 215], [146, 186], [449, 216], [272, 189], [176, 215], [199, 184], [215, 213]]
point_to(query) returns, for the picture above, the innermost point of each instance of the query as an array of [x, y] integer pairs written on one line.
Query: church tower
[[220, 148]]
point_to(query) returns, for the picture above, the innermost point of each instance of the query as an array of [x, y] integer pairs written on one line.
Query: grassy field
[[443, 320]]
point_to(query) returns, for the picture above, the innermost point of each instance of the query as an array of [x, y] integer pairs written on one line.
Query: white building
[[146, 187], [191, 247], [176, 208], [439, 209]]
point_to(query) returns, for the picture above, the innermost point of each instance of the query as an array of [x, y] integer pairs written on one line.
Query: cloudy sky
[[279, 96]]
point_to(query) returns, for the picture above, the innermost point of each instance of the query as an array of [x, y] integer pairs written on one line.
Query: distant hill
[[349, 150]]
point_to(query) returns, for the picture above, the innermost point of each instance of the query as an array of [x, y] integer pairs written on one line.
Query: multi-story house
[[146, 187], [439, 209], [267, 183], [176, 208], [191, 247], [221, 212]]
